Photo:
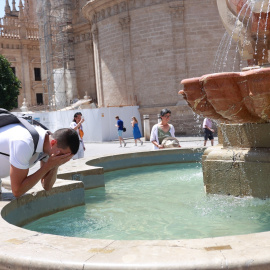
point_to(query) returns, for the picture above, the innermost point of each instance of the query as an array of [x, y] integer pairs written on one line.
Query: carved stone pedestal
[[240, 164]]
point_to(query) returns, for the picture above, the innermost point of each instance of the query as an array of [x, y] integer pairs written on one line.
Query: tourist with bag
[[76, 124], [163, 133], [120, 127]]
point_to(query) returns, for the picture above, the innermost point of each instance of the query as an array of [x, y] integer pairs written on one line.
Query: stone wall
[[84, 64], [145, 48], [136, 52]]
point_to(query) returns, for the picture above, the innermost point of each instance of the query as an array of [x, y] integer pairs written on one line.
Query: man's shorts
[[208, 134], [120, 133]]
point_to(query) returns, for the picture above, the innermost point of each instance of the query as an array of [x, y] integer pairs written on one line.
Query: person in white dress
[[76, 124]]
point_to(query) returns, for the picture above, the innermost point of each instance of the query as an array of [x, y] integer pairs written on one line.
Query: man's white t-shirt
[[17, 142]]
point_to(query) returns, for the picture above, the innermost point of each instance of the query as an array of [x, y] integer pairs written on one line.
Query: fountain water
[[240, 102]]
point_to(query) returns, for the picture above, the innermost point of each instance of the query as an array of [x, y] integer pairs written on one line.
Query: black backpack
[[7, 118]]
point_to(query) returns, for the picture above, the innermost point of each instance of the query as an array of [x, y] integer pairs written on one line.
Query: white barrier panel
[[99, 124]]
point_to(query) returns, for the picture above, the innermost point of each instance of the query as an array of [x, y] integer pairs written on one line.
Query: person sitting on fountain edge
[[208, 131], [162, 130], [16, 155]]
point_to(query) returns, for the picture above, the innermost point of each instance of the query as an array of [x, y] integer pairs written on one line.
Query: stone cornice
[[98, 10], [81, 27], [82, 32], [16, 44]]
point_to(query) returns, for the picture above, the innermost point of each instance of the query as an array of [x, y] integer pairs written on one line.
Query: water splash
[[258, 28], [246, 5], [243, 40]]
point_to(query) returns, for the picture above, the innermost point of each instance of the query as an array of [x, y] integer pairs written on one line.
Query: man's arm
[[21, 183], [209, 128], [49, 178]]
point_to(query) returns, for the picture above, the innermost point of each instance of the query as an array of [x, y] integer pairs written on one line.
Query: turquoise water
[[157, 202]]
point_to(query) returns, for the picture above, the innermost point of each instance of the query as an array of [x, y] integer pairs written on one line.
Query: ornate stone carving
[[11, 58], [98, 16], [177, 12], [35, 60], [115, 9], [131, 4], [125, 21], [123, 6], [176, 9], [104, 12], [108, 11]]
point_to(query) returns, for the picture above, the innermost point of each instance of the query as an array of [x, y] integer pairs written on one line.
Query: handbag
[[124, 129], [170, 142], [81, 133]]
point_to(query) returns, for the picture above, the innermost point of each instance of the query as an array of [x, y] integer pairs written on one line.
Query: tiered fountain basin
[[240, 165], [24, 249]]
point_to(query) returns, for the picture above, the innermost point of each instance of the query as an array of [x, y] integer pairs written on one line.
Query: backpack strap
[[9, 118], [32, 131]]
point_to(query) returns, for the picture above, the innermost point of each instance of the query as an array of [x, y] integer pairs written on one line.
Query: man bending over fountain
[[17, 147]]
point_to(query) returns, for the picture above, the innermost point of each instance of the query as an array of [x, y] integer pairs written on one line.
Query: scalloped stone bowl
[[232, 97]]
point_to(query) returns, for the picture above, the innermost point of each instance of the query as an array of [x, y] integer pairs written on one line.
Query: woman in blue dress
[[136, 131]]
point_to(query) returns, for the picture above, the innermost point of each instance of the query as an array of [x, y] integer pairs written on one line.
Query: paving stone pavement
[[107, 148]]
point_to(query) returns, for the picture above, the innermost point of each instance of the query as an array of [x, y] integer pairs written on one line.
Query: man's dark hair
[[117, 117], [164, 111], [67, 137]]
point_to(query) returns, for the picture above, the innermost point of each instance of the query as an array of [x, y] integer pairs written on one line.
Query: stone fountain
[[240, 103]]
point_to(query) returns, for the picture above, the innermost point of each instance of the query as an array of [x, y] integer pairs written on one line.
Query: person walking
[[208, 131], [120, 126], [76, 124], [136, 131]]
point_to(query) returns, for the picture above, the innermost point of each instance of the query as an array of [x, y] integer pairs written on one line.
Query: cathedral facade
[[19, 43], [120, 53]]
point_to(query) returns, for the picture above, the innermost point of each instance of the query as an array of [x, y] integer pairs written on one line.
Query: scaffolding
[[57, 51]]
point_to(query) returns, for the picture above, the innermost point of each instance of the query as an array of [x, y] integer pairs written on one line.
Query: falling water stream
[[221, 58]]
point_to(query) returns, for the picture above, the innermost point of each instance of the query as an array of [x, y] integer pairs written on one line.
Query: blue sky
[[2, 6]]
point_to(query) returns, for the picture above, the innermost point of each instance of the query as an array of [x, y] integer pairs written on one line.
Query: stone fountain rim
[[221, 75], [44, 251]]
